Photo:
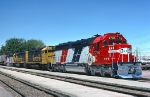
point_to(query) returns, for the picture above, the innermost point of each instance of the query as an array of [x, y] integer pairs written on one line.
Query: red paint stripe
[[64, 55], [58, 62]]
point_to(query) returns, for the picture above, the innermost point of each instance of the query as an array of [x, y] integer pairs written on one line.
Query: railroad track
[[12, 90], [145, 67], [26, 89], [144, 80], [135, 91]]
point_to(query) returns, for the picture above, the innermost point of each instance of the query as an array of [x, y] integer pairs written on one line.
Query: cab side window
[[45, 51], [105, 43], [96, 46], [110, 41]]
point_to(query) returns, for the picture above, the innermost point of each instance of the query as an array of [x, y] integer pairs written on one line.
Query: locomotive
[[109, 54], [40, 56]]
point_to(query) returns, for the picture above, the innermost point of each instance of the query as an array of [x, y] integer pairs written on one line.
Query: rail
[[49, 91], [22, 95], [132, 90]]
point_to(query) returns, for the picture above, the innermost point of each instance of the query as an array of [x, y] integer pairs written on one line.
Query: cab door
[[97, 52], [50, 55], [46, 56], [43, 57]]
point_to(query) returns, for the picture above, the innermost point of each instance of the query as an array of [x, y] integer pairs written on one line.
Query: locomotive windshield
[[117, 40], [113, 41]]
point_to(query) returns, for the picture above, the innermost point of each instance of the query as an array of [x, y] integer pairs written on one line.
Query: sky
[[58, 21]]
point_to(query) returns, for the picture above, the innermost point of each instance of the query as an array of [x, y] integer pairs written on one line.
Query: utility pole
[[136, 54]]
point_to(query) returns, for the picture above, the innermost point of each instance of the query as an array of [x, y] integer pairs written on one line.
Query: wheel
[[53, 68], [111, 74], [49, 67], [45, 67], [64, 69], [92, 72], [14, 65], [40, 67], [24, 65], [102, 71], [86, 67], [59, 67], [27, 66], [21, 65]]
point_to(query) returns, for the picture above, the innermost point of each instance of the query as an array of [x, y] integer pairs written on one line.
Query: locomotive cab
[[122, 61]]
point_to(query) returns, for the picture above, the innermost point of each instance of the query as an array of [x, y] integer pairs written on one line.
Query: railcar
[[145, 64], [40, 56], [10, 60], [3, 59], [109, 54], [19, 59]]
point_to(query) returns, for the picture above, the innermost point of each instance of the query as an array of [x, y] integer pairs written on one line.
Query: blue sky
[[57, 21]]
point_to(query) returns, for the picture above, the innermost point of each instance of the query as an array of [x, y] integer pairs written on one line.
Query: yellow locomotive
[[42, 57]]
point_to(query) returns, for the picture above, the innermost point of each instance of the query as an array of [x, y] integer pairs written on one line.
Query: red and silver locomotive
[[109, 54]]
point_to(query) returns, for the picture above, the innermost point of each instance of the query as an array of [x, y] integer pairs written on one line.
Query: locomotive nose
[[131, 70]]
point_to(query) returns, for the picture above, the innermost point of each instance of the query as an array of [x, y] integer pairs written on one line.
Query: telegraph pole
[[136, 54]]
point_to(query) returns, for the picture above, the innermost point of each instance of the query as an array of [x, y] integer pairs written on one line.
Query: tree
[[15, 45], [2, 50], [33, 44]]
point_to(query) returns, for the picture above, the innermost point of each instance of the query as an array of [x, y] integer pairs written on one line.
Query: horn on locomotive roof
[[96, 35]]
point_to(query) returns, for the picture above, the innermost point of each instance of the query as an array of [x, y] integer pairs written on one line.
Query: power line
[[137, 38], [145, 34], [145, 49], [142, 42]]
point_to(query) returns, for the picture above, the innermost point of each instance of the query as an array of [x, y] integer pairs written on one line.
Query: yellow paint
[[26, 56], [46, 56], [18, 59]]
